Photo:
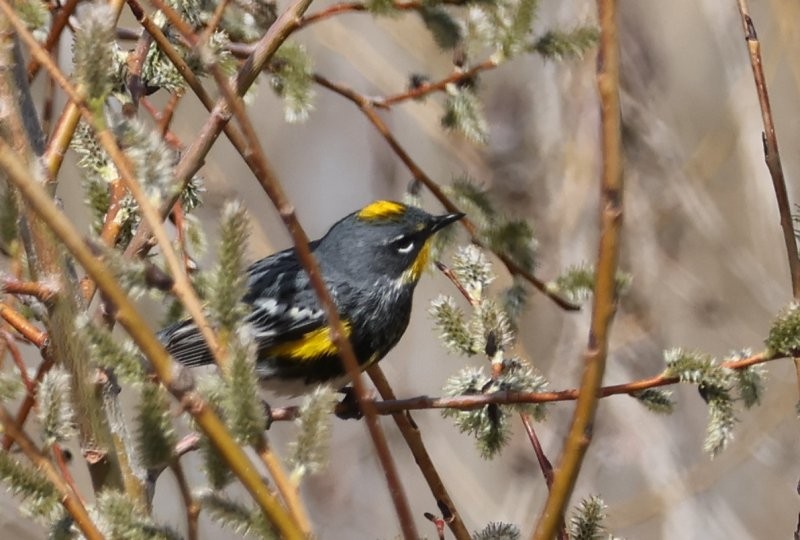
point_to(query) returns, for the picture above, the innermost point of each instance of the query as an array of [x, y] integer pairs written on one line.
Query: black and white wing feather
[[283, 308]]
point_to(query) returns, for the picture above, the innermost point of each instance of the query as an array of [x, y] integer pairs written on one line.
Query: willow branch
[[770, 140], [468, 402], [177, 381], [367, 107], [69, 499], [42, 291], [605, 291], [772, 155], [544, 464], [23, 326], [29, 400], [16, 357], [411, 434], [190, 505], [57, 26]]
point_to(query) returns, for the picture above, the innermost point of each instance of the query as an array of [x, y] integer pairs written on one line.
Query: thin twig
[[134, 81], [63, 468], [605, 291], [468, 402], [772, 155], [30, 398], [263, 450], [49, 99], [70, 501], [68, 121], [16, 357], [190, 505], [288, 491], [58, 25], [544, 464], [411, 434], [41, 291], [422, 90], [176, 381], [770, 141], [367, 107], [23, 326]]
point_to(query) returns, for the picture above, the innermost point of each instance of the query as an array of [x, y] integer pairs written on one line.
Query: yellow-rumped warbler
[[370, 261]]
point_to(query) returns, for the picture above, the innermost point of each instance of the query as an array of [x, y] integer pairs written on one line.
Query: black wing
[[283, 308]]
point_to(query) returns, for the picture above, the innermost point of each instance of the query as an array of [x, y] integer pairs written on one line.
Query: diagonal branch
[[408, 428], [770, 140], [69, 499]]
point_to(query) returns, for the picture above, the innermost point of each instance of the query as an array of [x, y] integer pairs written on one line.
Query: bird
[[370, 260]]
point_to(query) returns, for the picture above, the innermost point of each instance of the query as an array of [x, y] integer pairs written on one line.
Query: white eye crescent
[[405, 247]]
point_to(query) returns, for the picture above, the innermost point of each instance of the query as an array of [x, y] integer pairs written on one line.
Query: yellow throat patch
[[420, 264], [381, 210], [312, 345]]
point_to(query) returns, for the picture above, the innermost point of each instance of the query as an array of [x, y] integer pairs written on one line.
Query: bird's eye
[[404, 245]]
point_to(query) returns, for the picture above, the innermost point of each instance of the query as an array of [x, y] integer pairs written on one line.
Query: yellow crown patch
[[381, 210]]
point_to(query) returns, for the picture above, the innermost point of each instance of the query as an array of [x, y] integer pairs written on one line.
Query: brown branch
[[288, 491], [178, 382], [23, 326], [68, 121], [41, 291], [544, 464], [411, 434], [605, 291], [135, 62], [190, 505], [281, 414], [770, 141], [30, 398], [367, 107], [58, 25], [16, 357], [63, 468], [70, 500], [49, 99], [772, 155], [422, 90]]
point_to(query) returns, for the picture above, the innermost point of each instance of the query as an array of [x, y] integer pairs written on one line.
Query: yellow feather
[[381, 210], [420, 264], [312, 345]]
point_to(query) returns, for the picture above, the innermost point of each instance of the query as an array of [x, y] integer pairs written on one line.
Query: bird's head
[[383, 239]]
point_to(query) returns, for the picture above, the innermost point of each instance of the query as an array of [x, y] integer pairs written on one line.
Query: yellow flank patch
[[381, 210], [420, 264], [312, 345]]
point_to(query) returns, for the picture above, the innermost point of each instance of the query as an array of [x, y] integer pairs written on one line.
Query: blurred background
[[701, 238]]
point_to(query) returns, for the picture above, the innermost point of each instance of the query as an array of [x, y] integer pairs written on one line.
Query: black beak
[[440, 222]]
